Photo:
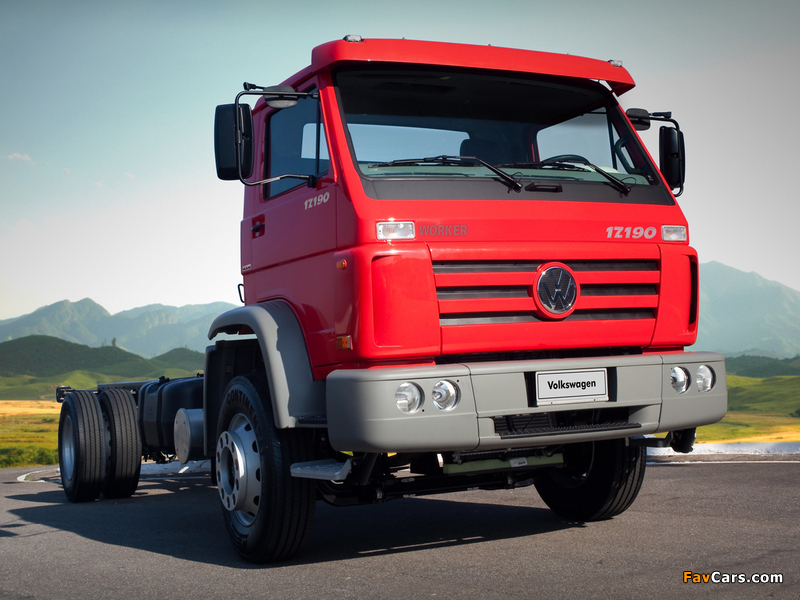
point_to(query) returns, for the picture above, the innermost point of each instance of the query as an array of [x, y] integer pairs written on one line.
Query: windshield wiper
[[445, 159], [568, 164]]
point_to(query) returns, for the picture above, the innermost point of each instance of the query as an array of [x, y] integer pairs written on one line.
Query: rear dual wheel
[[81, 447], [99, 448], [123, 443]]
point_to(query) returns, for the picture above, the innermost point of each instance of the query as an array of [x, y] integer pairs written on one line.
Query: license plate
[[564, 387]]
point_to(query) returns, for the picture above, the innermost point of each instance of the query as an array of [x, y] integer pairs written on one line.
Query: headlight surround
[[445, 395], [705, 378], [680, 379], [408, 397]]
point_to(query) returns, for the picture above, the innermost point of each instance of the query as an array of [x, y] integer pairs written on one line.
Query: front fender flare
[[292, 388]]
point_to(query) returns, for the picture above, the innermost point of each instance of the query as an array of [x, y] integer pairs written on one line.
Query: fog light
[[445, 395], [680, 380], [408, 397], [705, 378]]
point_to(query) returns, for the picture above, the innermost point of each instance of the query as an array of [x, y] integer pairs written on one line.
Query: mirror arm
[[665, 116], [256, 90], [311, 180]]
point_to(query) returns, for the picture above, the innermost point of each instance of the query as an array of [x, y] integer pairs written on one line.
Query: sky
[[107, 182]]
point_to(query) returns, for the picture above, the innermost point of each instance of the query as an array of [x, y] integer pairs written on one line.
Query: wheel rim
[[68, 449], [238, 466]]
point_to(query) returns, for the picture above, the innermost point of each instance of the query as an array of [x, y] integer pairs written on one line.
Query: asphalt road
[[168, 541]]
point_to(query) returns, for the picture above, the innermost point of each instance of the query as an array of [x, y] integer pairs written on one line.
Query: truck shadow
[[181, 518]]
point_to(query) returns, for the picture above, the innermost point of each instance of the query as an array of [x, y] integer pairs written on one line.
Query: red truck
[[461, 270]]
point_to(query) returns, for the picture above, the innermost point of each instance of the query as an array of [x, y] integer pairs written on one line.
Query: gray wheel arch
[[292, 388]]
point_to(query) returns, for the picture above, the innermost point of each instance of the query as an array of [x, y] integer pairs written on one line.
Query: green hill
[[45, 356], [183, 358], [32, 367], [771, 395], [762, 366]]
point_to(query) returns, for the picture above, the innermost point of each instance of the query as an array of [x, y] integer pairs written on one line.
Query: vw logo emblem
[[555, 291]]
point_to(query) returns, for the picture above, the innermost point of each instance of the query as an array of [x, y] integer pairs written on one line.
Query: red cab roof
[[465, 55]]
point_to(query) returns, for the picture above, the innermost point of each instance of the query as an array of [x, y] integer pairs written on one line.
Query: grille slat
[[530, 266]]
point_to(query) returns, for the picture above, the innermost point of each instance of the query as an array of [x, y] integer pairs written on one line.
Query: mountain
[[45, 356], [146, 331], [743, 313]]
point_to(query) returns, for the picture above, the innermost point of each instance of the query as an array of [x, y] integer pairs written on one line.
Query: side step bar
[[328, 469]]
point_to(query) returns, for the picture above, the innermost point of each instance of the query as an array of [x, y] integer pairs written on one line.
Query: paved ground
[[168, 542]]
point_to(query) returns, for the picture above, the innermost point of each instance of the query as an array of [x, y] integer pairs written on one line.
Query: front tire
[[599, 480], [267, 512]]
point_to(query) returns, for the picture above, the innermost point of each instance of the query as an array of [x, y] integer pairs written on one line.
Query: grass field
[[759, 410], [28, 432]]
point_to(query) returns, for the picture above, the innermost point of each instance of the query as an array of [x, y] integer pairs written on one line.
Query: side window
[[296, 145]]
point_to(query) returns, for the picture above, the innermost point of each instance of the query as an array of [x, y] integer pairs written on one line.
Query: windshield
[[414, 125]]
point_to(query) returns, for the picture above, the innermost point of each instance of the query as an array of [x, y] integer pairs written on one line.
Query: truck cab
[[462, 269]]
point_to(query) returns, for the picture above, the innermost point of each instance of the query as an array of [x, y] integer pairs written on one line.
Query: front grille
[[485, 292], [543, 424]]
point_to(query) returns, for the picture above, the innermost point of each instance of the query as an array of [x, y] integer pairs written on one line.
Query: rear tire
[[81, 447], [123, 443], [599, 480], [267, 512]]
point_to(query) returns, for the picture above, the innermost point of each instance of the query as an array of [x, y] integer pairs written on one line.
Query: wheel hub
[[238, 470]]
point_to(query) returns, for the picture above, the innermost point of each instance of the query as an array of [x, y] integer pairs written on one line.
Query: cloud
[[130, 175], [18, 156]]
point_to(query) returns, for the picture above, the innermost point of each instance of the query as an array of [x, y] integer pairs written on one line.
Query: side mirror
[[233, 142], [672, 156], [639, 117]]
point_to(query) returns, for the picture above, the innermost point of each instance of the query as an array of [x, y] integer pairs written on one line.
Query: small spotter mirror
[[279, 99], [640, 118]]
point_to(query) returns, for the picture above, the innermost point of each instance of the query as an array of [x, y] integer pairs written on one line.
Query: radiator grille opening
[[560, 423], [484, 292]]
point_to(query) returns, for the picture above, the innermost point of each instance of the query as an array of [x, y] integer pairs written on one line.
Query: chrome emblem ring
[[555, 291]]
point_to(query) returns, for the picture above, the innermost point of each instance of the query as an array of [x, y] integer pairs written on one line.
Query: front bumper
[[498, 407]]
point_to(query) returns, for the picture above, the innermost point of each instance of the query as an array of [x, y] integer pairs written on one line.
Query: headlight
[[395, 230], [673, 233], [680, 380], [445, 395], [408, 397], [705, 378]]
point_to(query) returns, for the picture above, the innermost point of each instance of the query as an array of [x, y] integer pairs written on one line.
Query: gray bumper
[[363, 416]]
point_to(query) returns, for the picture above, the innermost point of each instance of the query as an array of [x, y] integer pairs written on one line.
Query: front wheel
[[268, 513], [599, 480]]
